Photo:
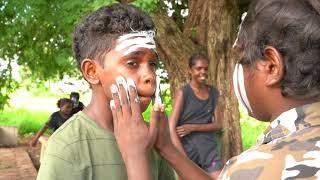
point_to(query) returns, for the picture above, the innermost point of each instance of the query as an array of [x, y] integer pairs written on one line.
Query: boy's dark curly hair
[[196, 56], [61, 102], [95, 35], [293, 28]]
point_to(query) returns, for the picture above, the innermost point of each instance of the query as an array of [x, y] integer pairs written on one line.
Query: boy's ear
[[273, 66], [90, 71]]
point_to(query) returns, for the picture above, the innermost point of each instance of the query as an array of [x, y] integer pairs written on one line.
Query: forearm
[[206, 127], [138, 167], [41, 132], [185, 168], [176, 141]]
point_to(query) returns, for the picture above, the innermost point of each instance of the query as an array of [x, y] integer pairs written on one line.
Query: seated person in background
[[77, 105], [56, 119]]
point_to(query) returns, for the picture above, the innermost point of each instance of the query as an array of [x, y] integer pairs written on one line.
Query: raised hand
[[134, 137]]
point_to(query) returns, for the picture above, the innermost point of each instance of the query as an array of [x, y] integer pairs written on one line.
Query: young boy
[[111, 43], [278, 80]]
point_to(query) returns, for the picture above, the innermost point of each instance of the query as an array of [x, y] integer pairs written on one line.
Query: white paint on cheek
[[239, 88], [242, 88]]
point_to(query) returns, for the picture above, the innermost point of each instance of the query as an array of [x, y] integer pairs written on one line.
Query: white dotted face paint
[[239, 88], [157, 93], [242, 18], [132, 41]]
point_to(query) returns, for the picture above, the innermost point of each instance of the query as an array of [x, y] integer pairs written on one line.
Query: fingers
[[114, 115], [180, 131], [154, 120], [134, 99], [115, 104], [124, 98]]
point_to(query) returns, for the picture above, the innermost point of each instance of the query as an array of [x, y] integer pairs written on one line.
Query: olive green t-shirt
[[81, 150]]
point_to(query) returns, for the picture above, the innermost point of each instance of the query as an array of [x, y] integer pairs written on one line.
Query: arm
[[215, 125], [39, 134], [185, 168], [177, 107]]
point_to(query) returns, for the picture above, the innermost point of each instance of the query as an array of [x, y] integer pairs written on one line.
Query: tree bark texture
[[211, 26]]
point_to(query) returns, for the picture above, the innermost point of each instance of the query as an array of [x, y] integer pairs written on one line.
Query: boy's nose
[[147, 82]]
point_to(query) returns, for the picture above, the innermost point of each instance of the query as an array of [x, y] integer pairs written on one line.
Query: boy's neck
[[99, 111]]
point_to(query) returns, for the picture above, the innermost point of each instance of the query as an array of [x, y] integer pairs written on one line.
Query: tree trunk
[[210, 26]]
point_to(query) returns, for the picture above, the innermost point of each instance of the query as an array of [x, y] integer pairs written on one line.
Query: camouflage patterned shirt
[[289, 149]]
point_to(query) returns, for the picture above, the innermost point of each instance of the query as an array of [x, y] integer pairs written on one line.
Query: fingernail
[[122, 81], [156, 107], [162, 108], [112, 104], [114, 89], [131, 83]]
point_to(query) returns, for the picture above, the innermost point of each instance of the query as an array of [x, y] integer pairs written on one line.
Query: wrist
[[167, 150]]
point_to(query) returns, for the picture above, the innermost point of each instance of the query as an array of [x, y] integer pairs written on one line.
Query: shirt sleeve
[[51, 123], [55, 168]]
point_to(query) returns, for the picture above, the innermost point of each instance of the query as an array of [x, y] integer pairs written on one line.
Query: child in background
[[56, 119], [196, 116]]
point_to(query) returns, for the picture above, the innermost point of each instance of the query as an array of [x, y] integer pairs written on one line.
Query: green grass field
[[30, 114]]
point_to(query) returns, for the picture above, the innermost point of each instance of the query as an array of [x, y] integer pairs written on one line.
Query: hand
[[184, 130], [34, 142], [163, 140], [132, 134]]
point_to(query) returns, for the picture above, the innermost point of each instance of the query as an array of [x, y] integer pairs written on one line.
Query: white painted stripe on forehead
[[135, 47], [134, 41], [150, 34]]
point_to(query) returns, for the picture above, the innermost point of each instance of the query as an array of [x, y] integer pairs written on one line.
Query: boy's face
[[139, 65]]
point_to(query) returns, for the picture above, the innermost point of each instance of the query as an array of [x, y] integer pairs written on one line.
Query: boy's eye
[[153, 64], [132, 63]]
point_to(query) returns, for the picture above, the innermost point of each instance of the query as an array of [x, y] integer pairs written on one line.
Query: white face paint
[[242, 18], [239, 88], [157, 93], [132, 41]]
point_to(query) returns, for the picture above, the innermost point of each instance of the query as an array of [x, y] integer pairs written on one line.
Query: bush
[[25, 120]]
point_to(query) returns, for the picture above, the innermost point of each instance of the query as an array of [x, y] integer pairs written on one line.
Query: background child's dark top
[[201, 147], [56, 120]]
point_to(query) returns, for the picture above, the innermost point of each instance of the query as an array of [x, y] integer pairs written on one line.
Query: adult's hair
[[96, 34], [75, 94], [293, 28], [195, 57], [61, 102]]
